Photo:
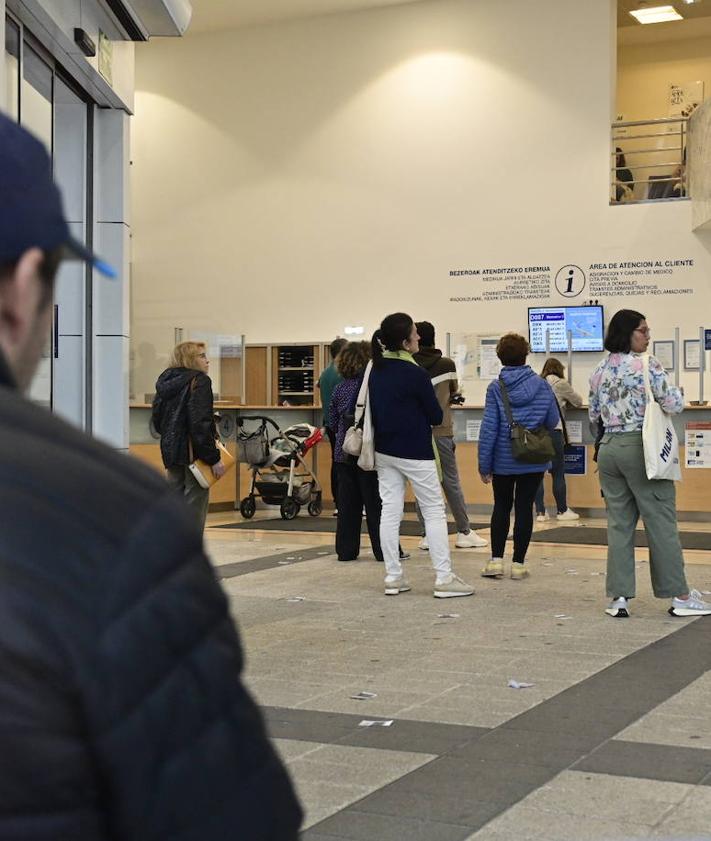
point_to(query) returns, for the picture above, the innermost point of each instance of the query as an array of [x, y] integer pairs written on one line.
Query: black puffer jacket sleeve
[[201, 421]]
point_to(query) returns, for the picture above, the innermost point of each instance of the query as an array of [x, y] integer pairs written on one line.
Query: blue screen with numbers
[[548, 329]]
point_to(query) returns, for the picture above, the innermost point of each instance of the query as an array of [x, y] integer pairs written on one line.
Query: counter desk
[[693, 497]]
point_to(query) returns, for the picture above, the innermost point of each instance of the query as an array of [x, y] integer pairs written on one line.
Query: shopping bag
[[366, 459], [661, 445]]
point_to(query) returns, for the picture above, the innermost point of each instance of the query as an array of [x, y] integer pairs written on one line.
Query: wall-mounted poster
[[664, 351], [692, 354], [684, 98]]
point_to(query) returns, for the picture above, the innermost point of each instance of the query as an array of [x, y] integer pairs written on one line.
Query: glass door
[[36, 115], [47, 103]]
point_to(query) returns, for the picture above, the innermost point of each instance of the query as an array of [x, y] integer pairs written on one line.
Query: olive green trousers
[[629, 495]]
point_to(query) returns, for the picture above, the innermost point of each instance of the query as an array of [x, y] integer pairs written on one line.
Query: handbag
[[530, 446], [353, 439], [659, 439]]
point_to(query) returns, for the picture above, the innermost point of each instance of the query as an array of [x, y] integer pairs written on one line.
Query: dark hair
[[427, 333], [48, 269], [623, 323], [553, 366], [394, 330], [337, 346], [620, 162], [512, 349], [352, 359]]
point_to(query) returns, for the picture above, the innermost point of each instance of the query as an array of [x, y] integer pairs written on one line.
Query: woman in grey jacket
[[554, 374]]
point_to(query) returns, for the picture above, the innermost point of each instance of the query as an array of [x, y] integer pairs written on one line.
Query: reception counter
[[693, 497]]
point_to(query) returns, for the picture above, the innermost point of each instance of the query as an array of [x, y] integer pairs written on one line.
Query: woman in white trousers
[[404, 409]]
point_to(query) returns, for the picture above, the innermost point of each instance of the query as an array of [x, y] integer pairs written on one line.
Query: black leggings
[[516, 492]]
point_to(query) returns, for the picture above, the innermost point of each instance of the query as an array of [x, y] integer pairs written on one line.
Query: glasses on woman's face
[[645, 331], [202, 356]]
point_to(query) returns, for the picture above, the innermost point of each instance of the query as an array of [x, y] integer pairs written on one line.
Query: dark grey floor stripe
[[461, 791], [344, 729], [272, 561], [668, 763]]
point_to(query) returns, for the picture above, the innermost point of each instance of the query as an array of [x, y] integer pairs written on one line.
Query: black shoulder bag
[[530, 446]]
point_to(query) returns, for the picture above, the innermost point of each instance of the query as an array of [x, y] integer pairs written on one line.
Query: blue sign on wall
[[707, 339], [576, 460]]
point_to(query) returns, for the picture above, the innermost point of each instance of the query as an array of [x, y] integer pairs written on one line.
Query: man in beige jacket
[[444, 379]]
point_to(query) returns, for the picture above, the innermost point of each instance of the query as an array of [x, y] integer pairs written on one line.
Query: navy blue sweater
[[404, 409]]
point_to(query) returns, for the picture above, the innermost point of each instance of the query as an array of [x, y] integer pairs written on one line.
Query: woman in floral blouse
[[618, 399]]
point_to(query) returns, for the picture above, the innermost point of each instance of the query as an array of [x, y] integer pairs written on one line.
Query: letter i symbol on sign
[[571, 275]]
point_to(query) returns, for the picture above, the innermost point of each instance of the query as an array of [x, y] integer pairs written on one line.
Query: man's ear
[[20, 295]]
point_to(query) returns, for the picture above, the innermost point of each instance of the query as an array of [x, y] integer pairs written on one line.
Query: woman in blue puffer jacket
[[515, 483]]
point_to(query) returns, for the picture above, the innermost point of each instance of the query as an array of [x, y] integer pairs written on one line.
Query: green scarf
[[406, 356]]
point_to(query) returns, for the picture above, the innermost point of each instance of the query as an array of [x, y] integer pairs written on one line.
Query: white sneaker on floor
[[541, 518], [451, 587], [470, 541], [619, 608], [568, 514], [693, 606], [395, 586], [423, 544]]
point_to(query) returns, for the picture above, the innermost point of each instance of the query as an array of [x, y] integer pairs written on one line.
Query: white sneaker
[[451, 587], [693, 606], [423, 544], [470, 541], [394, 586], [541, 518], [568, 514], [619, 608]]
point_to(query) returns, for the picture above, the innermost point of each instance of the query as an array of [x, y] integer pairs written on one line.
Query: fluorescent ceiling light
[[656, 14]]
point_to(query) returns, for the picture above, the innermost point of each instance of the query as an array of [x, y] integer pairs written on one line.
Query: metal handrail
[[658, 122], [640, 159]]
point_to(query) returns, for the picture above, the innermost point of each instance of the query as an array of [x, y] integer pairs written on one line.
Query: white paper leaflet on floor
[[368, 723], [363, 696], [516, 684], [448, 615]]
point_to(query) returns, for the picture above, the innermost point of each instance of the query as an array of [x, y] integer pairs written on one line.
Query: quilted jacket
[[122, 713], [183, 415], [532, 404]]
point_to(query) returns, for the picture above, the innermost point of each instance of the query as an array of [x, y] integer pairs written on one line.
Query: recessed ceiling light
[[656, 14]]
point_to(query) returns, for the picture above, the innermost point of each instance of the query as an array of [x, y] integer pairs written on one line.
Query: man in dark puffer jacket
[[122, 713]]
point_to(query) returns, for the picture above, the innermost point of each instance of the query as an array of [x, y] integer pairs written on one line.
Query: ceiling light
[[656, 14]]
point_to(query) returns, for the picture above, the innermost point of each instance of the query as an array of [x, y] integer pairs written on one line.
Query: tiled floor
[[611, 741]]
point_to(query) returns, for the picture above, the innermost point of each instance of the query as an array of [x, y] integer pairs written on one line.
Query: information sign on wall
[[106, 55], [698, 444], [576, 460]]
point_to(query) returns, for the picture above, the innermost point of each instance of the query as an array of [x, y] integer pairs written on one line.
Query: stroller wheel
[[289, 509], [315, 507], [247, 507]]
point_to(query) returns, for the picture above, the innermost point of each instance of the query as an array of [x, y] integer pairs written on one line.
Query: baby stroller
[[280, 476]]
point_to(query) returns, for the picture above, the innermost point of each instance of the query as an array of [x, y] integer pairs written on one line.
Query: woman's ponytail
[[394, 330]]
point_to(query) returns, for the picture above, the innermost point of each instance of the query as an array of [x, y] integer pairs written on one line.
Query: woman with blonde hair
[[183, 417]]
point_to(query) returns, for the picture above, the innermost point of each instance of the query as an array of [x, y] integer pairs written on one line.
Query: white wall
[[294, 178]]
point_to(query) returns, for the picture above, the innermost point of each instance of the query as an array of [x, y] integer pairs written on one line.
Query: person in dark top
[[624, 180], [327, 382], [404, 409], [357, 488], [183, 416], [122, 713]]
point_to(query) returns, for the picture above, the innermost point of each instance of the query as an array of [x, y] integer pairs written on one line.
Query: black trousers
[[357, 488], [516, 492], [334, 473]]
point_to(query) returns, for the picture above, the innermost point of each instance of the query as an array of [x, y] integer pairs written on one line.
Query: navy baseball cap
[[31, 212]]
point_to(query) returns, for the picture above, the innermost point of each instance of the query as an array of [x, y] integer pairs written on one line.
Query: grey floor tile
[[420, 736], [356, 825], [532, 747], [652, 762], [440, 808]]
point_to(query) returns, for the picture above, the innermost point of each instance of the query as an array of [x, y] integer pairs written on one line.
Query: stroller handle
[[263, 418]]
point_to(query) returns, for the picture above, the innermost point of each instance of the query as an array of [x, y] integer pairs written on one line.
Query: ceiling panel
[[699, 9]]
